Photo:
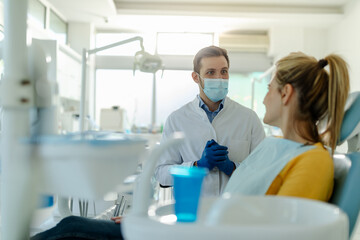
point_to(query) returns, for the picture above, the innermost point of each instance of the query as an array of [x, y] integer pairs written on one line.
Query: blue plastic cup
[[187, 189]]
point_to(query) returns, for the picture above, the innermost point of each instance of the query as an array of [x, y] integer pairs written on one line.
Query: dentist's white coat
[[235, 126]]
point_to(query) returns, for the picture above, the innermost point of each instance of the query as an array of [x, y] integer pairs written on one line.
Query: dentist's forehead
[[214, 63]]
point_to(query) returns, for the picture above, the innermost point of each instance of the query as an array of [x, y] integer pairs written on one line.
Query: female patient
[[307, 103]]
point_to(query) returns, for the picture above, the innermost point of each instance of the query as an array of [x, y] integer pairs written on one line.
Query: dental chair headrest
[[351, 123]]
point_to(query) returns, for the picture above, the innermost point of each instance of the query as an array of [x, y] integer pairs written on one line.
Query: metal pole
[[252, 93], [153, 105], [18, 194], [83, 91], [140, 39]]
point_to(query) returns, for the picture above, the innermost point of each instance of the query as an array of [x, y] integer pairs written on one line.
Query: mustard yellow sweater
[[309, 175]]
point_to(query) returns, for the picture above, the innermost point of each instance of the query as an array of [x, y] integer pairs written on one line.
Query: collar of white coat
[[195, 104], [202, 103]]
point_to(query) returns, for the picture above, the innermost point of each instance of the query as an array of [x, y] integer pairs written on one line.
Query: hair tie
[[322, 63]]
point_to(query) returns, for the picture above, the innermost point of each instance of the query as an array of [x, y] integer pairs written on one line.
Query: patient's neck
[[290, 133], [297, 138]]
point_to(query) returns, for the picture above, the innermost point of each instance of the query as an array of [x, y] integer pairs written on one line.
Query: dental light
[[147, 62]]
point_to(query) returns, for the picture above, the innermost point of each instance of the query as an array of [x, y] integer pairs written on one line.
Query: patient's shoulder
[[316, 157]]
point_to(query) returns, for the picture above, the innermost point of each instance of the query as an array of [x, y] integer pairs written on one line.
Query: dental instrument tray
[[85, 165]]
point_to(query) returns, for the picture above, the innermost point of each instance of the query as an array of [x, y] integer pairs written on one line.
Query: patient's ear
[[287, 93]]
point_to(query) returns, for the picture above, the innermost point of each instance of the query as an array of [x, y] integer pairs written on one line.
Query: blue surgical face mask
[[215, 89]]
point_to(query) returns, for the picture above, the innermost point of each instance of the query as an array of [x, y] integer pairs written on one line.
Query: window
[[37, 13], [1, 60], [1, 32], [134, 93], [58, 27], [240, 90], [174, 89], [183, 43]]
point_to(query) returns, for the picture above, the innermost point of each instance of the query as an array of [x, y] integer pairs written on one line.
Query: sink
[[85, 165], [244, 217]]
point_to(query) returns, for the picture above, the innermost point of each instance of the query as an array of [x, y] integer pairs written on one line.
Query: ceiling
[[201, 15]]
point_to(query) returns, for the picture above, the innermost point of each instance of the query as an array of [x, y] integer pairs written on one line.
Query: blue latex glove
[[226, 165], [212, 154]]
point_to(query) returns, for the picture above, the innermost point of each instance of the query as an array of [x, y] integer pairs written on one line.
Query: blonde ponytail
[[337, 94], [321, 94]]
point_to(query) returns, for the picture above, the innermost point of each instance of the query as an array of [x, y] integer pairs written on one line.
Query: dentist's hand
[[212, 154], [225, 165]]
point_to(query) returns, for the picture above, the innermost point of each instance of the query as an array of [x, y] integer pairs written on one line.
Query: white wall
[[344, 39], [284, 40], [80, 36], [1, 13], [315, 41]]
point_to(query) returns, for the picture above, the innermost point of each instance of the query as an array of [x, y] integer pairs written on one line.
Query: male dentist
[[219, 133]]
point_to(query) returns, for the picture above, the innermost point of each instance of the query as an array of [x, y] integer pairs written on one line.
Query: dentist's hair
[[211, 51], [321, 94]]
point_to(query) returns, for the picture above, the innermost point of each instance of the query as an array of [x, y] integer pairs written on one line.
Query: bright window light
[[240, 91], [58, 27], [183, 43], [134, 93], [174, 89], [37, 13]]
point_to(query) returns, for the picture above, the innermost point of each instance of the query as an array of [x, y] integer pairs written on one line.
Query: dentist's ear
[[195, 77], [286, 93]]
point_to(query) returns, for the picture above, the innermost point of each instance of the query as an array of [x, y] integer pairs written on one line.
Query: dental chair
[[346, 194], [258, 217]]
